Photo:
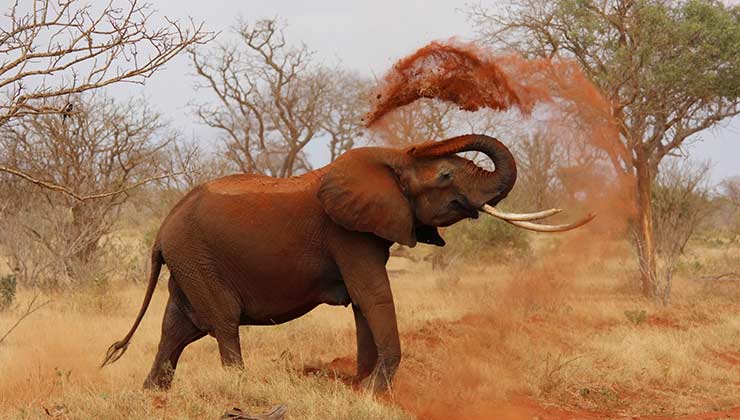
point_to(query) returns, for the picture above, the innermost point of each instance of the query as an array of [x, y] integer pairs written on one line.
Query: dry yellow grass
[[559, 336]]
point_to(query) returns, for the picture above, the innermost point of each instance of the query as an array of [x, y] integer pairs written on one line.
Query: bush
[[492, 238], [681, 202], [636, 317], [473, 237], [8, 285]]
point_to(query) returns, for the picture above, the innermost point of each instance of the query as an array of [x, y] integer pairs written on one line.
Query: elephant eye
[[445, 175]]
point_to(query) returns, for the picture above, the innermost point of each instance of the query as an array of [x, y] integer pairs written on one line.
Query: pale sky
[[365, 36]]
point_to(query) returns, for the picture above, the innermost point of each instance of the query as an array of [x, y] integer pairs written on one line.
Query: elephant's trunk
[[488, 187]]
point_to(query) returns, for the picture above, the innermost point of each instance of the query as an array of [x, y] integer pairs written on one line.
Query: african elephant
[[254, 250]]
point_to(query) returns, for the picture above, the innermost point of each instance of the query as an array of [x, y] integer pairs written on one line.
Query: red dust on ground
[[444, 403]]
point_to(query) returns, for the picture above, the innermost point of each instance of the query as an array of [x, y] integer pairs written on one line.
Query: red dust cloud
[[592, 174], [576, 116], [449, 73]]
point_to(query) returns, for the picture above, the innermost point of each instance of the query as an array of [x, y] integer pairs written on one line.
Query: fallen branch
[[66, 191], [29, 310], [237, 414]]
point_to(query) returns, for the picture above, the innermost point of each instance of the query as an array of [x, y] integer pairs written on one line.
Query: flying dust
[[556, 96]]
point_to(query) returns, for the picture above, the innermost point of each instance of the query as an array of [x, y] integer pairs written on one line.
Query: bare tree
[[51, 51], [681, 202], [104, 145], [731, 195], [538, 162], [195, 165], [420, 121], [668, 69], [731, 189], [347, 102], [272, 99]]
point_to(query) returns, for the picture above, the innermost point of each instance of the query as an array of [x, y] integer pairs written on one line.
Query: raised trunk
[[644, 228], [489, 187]]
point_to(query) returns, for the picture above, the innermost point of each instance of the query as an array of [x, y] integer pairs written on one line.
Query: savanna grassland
[[635, 316], [558, 332]]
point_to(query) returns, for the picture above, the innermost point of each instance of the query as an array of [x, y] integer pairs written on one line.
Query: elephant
[[249, 249]]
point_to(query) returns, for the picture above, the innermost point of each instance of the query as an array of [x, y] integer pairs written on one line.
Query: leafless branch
[[83, 49], [30, 309], [76, 196], [272, 100], [53, 51]]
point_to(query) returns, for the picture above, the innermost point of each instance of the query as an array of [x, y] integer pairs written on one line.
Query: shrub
[[636, 317], [8, 285], [484, 235]]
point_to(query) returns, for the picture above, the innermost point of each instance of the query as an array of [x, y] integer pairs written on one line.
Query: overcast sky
[[366, 36]]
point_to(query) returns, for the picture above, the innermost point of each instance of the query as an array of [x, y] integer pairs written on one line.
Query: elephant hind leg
[[177, 332], [229, 346]]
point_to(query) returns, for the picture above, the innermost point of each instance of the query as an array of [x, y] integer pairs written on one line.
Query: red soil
[[731, 357], [664, 322], [447, 396]]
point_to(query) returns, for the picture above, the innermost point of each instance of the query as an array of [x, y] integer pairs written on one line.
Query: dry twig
[[30, 309], [64, 190], [237, 414]]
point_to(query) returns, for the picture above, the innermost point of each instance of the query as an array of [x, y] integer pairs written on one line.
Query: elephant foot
[[379, 380], [151, 385], [375, 384], [236, 414], [159, 382]]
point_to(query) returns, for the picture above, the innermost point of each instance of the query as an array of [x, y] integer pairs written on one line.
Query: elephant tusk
[[552, 228], [518, 217], [522, 220]]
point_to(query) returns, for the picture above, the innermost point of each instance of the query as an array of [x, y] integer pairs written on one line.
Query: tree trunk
[[85, 233], [644, 227]]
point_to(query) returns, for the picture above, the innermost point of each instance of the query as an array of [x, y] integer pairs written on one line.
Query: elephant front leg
[[372, 301], [381, 317], [367, 353]]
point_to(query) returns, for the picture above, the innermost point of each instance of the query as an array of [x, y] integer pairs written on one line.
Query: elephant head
[[403, 195]]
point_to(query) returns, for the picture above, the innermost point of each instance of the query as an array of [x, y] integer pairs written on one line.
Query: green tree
[[670, 69]]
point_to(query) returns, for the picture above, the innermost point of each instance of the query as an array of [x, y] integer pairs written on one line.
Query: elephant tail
[[117, 349]]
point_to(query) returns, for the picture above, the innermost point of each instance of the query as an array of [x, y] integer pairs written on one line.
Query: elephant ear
[[361, 192]]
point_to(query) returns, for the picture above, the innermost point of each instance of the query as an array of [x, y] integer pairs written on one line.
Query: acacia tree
[[272, 100], [670, 69], [52, 51]]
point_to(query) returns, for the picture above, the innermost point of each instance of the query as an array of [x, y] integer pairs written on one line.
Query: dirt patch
[[341, 369], [665, 322], [731, 357]]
